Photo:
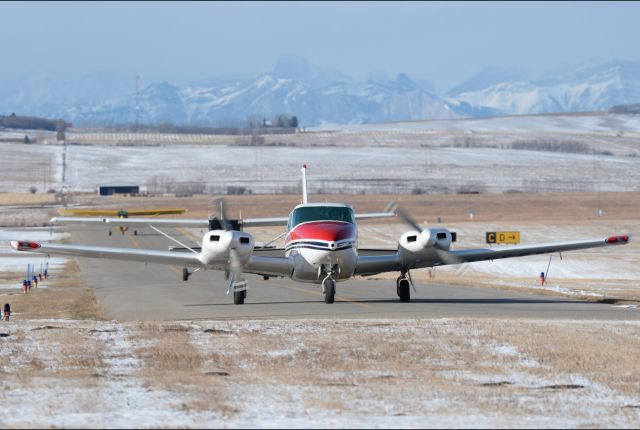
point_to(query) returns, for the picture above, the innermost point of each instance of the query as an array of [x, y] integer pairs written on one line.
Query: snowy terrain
[[282, 374], [538, 124], [348, 169]]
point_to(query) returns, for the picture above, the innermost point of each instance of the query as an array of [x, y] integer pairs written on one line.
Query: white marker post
[[304, 183]]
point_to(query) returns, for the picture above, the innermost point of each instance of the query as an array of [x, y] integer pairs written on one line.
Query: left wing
[[471, 255], [371, 262]]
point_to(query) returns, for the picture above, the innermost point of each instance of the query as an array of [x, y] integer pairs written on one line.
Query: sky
[[443, 42]]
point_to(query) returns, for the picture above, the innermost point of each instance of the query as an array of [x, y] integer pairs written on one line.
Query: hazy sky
[[444, 42]]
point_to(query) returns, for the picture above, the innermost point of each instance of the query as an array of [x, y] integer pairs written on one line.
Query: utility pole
[[137, 107]]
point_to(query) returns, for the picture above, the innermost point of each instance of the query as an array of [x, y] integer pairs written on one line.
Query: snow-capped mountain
[[319, 96], [314, 95], [595, 87]]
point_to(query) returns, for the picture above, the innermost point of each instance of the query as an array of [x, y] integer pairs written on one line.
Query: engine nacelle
[[419, 243], [216, 245]]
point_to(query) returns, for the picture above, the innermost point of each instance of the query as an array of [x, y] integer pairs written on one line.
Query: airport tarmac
[[130, 291]]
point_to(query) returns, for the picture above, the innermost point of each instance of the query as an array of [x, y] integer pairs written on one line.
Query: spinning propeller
[[446, 256], [235, 274]]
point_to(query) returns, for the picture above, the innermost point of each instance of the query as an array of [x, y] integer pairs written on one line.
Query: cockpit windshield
[[321, 213]]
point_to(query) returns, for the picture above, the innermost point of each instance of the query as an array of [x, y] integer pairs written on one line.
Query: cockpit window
[[321, 213]]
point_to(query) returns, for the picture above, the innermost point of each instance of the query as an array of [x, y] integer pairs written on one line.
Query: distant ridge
[[319, 96]]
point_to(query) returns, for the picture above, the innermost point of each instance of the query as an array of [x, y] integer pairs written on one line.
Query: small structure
[[108, 190]]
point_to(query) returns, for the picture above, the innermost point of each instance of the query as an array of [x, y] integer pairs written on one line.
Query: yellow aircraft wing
[[114, 212]]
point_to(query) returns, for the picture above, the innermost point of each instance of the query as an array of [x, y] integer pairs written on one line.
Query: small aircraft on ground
[[321, 247], [120, 213]]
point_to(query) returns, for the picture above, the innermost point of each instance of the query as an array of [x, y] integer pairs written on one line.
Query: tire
[[110, 233], [404, 291], [239, 296], [185, 274], [135, 232], [329, 290]]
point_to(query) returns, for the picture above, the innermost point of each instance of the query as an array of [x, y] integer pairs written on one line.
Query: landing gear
[[403, 289], [135, 232], [239, 296], [185, 274], [239, 292], [110, 232], [329, 288]]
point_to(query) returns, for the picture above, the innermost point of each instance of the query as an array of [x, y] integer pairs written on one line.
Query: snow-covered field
[[445, 156], [336, 374], [349, 170], [559, 123]]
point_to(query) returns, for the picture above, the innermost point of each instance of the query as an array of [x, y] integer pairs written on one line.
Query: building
[[108, 190]]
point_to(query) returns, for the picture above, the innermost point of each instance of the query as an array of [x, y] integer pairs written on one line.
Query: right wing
[[273, 264], [144, 255]]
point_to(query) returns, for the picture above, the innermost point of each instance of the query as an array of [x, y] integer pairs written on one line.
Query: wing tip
[[24, 245], [615, 240]]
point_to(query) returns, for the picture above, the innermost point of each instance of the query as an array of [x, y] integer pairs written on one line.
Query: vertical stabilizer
[[304, 183]]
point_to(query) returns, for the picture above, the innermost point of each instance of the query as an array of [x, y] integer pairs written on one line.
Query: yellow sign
[[503, 237]]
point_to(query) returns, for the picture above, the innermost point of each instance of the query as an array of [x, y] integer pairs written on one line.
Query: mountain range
[[318, 96]]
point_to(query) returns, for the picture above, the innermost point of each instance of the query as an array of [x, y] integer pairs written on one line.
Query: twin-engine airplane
[[321, 247]]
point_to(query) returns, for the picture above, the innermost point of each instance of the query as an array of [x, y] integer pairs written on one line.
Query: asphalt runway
[[130, 291]]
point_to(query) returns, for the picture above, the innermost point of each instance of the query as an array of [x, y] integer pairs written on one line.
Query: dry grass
[[171, 362], [572, 207], [26, 198], [520, 370]]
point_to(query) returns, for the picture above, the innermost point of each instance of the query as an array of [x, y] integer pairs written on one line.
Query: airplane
[[321, 247], [121, 213]]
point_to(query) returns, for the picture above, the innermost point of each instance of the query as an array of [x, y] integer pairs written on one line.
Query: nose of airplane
[[329, 231]]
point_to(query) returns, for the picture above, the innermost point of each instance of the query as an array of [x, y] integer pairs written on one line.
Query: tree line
[[32, 123], [254, 124]]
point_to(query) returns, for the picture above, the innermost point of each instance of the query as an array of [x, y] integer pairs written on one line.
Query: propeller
[[445, 256], [235, 274], [407, 219]]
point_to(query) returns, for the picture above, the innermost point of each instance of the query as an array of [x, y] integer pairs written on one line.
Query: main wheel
[[110, 232], [185, 274], [403, 290], [329, 290], [239, 296]]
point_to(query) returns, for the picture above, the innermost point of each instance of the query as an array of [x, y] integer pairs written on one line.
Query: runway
[[129, 291]]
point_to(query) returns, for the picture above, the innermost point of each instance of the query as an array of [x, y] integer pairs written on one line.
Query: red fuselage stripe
[[330, 231]]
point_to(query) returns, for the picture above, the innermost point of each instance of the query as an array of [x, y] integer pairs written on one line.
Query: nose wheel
[[329, 288], [403, 289]]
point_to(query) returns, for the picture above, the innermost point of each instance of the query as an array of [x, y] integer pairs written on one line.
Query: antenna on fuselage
[[304, 183]]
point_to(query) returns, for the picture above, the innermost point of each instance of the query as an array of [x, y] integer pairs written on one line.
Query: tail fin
[[304, 183]]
